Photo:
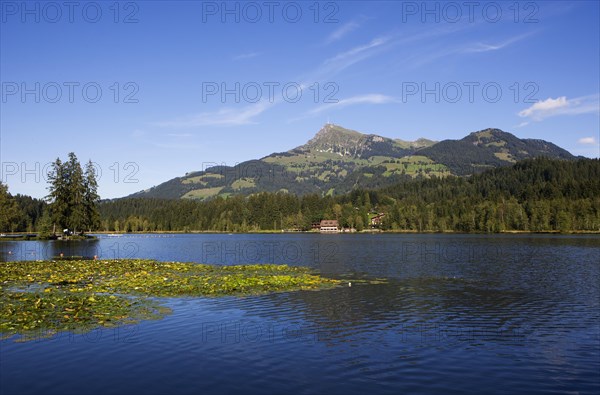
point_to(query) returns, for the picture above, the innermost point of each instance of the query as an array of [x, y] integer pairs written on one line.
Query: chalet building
[[329, 225], [376, 220]]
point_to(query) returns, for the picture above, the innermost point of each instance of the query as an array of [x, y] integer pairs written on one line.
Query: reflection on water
[[459, 313]]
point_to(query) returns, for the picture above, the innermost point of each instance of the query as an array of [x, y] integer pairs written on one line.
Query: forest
[[70, 206], [535, 195]]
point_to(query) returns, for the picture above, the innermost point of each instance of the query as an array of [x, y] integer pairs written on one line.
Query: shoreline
[[354, 233], [26, 236]]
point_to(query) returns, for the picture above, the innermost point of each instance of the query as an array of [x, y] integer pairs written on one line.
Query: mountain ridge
[[336, 139], [337, 160]]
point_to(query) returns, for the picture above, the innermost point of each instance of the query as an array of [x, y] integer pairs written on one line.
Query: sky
[[151, 90]]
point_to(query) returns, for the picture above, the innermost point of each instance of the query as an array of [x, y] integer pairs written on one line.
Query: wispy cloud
[[246, 56], [438, 52], [342, 31], [248, 114], [587, 141], [354, 55], [372, 98], [326, 70], [223, 117], [561, 106], [485, 47], [357, 51]]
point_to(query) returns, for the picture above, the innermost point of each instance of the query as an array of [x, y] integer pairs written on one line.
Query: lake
[[458, 314]]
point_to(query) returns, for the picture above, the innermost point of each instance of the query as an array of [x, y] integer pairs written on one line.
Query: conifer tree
[[9, 211], [73, 195], [76, 188], [91, 197], [58, 197]]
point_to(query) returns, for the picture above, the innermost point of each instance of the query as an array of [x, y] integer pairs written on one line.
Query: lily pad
[[46, 297]]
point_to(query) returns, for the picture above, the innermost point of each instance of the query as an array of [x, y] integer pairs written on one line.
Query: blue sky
[[150, 90]]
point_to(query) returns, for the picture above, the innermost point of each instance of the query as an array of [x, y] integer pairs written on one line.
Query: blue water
[[458, 314]]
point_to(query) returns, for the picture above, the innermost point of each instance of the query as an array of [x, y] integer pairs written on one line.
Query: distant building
[[329, 225], [376, 220]]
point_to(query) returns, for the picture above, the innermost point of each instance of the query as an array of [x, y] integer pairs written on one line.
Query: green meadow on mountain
[[338, 160]]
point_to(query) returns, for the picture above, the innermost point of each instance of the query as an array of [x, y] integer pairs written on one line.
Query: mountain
[[337, 160], [345, 142], [489, 148]]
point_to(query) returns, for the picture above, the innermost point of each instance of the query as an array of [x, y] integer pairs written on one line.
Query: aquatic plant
[[45, 297]]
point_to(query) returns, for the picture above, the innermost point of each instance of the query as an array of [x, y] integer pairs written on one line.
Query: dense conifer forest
[[532, 195]]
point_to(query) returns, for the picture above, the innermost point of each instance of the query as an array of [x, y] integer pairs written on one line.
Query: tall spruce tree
[[58, 196], [76, 188], [73, 195], [91, 197]]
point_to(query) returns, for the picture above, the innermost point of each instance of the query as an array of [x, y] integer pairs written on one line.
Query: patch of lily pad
[[47, 297]]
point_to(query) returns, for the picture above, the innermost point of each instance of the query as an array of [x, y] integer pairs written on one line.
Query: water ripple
[[524, 319]]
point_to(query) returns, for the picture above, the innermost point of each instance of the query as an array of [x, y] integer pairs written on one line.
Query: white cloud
[[247, 115], [590, 147], [483, 47], [224, 117], [328, 68], [431, 54], [373, 98], [350, 54], [342, 31], [561, 106], [542, 108], [587, 141], [345, 59]]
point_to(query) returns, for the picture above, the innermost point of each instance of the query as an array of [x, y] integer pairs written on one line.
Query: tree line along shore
[[534, 195]]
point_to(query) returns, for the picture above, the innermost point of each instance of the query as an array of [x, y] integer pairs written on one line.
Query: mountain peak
[[492, 136], [344, 142], [347, 142], [330, 129], [491, 132], [337, 160]]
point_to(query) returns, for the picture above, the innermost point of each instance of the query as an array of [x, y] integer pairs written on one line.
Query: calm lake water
[[459, 314]]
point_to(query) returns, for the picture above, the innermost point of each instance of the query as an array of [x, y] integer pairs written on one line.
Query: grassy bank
[[41, 298]]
